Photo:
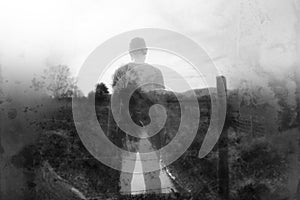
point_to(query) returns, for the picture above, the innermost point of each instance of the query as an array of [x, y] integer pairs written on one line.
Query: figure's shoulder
[[146, 67], [141, 70], [125, 67], [122, 70]]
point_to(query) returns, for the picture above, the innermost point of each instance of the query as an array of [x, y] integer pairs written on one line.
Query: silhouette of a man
[[146, 78]]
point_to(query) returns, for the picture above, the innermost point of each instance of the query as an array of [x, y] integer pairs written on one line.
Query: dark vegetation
[[257, 167], [58, 166]]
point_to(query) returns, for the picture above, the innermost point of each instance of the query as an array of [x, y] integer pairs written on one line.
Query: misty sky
[[247, 39]]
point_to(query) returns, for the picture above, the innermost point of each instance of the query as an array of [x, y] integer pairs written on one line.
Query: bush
[[262, 160]]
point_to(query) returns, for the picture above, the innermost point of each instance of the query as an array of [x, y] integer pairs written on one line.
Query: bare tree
[[57, 82]]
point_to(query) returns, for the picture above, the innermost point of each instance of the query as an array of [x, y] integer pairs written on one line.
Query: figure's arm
[[161, 79], [110, 122], [112, 127]]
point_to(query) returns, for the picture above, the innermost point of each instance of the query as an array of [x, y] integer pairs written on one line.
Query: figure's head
[[138, 50]]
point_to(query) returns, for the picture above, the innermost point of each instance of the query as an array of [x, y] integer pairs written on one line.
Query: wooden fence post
[[251, 122], [223, 168]]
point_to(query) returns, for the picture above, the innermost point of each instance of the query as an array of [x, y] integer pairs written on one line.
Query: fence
[[250, 124]]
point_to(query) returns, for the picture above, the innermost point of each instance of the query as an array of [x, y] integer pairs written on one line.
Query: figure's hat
[[137, 43]]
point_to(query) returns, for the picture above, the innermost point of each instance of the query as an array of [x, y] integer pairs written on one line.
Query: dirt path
[[137, 184]]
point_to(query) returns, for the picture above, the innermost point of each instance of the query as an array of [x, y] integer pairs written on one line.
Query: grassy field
[[54, 164]]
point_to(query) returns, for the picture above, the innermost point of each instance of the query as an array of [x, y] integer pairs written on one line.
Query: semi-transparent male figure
[[146, 78]]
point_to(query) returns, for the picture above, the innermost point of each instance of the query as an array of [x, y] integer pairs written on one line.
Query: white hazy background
[[253, 40]]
